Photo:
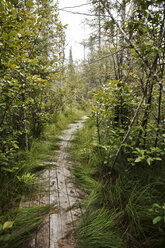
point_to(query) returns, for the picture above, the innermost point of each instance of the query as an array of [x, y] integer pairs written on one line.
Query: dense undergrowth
[[125, 209], [18, 224]]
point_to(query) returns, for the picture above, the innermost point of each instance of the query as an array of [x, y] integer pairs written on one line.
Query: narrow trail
[[57, 231]]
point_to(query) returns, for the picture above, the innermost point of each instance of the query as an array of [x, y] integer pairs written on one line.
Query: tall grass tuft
[[98, 230], [27, 221], [119, 211], [18, 180]]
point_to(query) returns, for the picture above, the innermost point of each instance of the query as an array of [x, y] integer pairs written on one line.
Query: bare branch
[[145, 61], [129, 130]]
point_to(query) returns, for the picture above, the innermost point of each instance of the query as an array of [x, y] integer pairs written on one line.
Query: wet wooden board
[[59, 191]]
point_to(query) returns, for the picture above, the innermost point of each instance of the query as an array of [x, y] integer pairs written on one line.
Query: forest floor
[[59, 192]]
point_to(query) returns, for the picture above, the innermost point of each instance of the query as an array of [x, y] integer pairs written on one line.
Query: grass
[[20, 181], [26, 222], [117, 213], [98, 230]]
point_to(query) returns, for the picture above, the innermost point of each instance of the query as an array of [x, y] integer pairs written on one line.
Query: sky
[[76, 30]]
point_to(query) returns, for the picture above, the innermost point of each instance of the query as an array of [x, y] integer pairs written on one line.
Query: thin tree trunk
[[98, 129], [128, 132], [142, 57], [25, 129], [159, 117]]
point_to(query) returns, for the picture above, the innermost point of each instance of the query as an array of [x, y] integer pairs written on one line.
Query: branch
[[145, 61], [129, 130], [125, 35], [108, 55]]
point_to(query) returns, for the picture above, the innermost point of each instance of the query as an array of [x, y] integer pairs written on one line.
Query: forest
[[118, 156]]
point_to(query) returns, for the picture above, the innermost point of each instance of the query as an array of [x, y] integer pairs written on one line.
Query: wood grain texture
[[59, 191]]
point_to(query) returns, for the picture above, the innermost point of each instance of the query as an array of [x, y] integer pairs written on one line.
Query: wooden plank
[[59, 191], [42, 236]]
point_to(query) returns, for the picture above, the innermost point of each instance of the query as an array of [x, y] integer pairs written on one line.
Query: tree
[[142, 45], [30, 44]]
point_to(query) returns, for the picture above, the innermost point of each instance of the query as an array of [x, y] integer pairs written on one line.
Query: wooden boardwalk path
[[60, 192]]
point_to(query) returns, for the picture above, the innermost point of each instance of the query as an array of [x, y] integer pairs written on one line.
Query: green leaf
[[149, 160], [1, 227], [155, 205], [15, 146], [5, 237], [157, 159], [138, 149], [29, 4], [7, 169], [8, 224], [157, 219], [139, 159]]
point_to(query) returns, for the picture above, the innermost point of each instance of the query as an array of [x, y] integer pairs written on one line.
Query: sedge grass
[[116, 214], [97, 230], [26, 222], [22, 166]]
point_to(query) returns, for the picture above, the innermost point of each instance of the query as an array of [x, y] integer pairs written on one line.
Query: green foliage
[[31, 43], [119, 155], [4, 236], [116, 208], [26, 221], [29, 51], [81, 151], [21, 179], [158, 210], [97, 230], [27, 179], [146, 156]]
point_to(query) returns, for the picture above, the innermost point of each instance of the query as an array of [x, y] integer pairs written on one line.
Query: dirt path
[[57, 231]]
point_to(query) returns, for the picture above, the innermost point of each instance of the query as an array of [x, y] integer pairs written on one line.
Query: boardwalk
[[57, 232]]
